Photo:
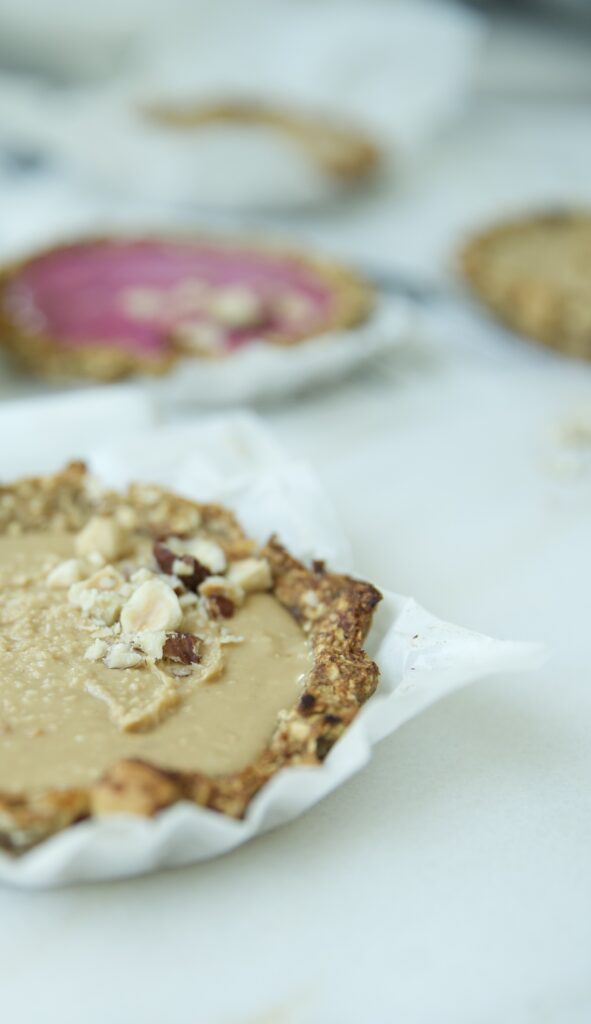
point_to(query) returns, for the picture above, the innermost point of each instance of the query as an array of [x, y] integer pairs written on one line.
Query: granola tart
[[150, 653], [535, 274], [105, 308]]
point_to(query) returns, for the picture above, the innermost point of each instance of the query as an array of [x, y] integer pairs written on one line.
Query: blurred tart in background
[[343, 153], [106, 308], [535, 274]]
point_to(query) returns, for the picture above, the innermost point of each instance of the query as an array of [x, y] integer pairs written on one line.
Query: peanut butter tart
[[149, 653]]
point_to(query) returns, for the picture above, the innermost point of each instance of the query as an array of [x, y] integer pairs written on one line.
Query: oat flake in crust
[[535, 274], [333, 612], [106, 308]]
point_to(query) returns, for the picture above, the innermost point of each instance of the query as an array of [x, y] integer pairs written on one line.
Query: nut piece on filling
[[104, 535], [153, 606]]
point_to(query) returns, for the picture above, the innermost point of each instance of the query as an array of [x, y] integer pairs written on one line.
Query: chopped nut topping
[[220, 606], [150, 642], [96, 559], [230, 638], [153, 606], [99, 595], [66, 573], [96, 651], [238, 306], [103, 535], [126, 517], [181, 670], [194, 572], [252, 574], [121, 655], [140, 576], [182, 647], [199, 336], [208, 553], [221, 586]]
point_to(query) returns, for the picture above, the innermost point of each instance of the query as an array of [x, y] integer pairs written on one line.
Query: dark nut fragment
[[307, 702], [221, 607], [182, 647], [195, 572]]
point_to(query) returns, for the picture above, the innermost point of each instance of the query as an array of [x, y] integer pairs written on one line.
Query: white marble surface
[[449, 883]]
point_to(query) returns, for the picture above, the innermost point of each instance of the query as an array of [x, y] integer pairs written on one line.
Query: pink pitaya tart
[[104, 308]]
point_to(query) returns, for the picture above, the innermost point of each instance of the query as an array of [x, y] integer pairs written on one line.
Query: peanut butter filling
[[66, 716]]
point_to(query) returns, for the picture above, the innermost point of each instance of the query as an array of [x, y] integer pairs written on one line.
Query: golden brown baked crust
[[344, 153], [353, 302], [535, 274], [335, 611]]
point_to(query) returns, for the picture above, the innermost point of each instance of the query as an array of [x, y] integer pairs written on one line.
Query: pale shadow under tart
[[534, 273], [150, 653], [106, 308]]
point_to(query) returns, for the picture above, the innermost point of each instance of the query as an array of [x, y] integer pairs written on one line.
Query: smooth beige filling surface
[[55, 733]]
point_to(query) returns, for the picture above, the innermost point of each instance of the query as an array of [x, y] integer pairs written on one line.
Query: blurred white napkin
[[398, 70], [39, 435]]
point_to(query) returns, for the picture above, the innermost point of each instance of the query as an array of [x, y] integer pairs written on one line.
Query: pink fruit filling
[[147, 296]]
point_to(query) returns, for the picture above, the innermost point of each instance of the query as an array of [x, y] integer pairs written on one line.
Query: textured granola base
[[42, 354], [552, 307], [335, 611]]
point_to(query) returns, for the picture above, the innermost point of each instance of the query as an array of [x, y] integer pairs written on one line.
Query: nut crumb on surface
[[153, 606]]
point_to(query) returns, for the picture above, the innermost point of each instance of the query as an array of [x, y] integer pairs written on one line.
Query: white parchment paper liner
[[421, 658], [259, 371]]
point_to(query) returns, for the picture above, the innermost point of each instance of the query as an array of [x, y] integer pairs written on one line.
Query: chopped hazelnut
[[237, 306], [150, 642], [96, 651], [199, 336], [121, 655], [251, 574], [99, 595], [153, 606], [208, 553], [66, 573], [183, 648], [220, 586], [102, 534]]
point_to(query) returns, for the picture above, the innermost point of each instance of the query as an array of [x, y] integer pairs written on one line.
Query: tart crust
[[334, 611], [353, 302], [343, 153], [534, 273]]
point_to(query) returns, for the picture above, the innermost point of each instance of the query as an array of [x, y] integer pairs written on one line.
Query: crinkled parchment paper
[[232, 459]]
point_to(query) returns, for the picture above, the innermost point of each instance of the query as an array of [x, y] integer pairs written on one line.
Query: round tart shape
[[106, 308], [535, 274], [149, 653]]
